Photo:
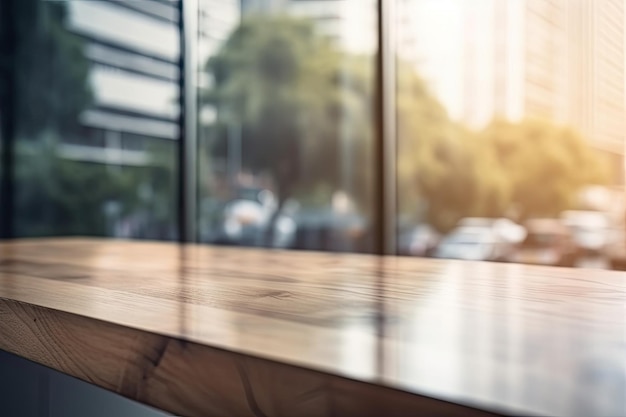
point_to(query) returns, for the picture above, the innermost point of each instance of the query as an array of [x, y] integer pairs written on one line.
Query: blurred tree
[[291, 95], [50, 68], [58, 196], [446, 172], [547, 165], [294, 99], [147, 194], [439, 176], [53, 196]]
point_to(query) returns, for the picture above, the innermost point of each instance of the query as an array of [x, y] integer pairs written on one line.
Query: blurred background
[[508, 124]]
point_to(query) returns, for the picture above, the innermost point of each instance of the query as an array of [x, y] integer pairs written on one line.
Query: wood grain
[[190, 379], [199, 330]]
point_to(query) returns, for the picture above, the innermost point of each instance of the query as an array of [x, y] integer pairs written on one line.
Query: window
[[277, 105], [285, 146], [96, 116], [477, 188]]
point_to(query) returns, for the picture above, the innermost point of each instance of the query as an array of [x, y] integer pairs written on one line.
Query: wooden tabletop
[[201, 330]]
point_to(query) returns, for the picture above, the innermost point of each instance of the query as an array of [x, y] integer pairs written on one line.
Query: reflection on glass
[[510, 115], [285, 123], [96, 118]]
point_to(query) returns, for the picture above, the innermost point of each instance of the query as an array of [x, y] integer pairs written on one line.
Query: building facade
[[560, 60], [133, 50], [513, 60], [596, 78]]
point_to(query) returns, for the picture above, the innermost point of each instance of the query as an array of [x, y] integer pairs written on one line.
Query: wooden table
[[212, 331]]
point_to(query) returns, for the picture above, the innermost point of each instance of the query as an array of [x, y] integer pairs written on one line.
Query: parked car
[[245, 220], [616, 252], [507, 230], [548, 242], [591, 230], [421, 240], [617, 249], [327, 230], [477, 243]]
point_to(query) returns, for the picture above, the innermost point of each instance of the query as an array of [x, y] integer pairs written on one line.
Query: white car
[[418, 241], [246, 222], [506, 229], [591, 230], [476, 243]]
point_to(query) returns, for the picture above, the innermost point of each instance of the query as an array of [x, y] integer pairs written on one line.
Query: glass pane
[[96, 118], [285, 123], [511, 130]]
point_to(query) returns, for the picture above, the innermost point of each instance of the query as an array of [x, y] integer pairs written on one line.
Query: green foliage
[[161, 178], [293, 95], [445, 172], [546, 165], [57, 196], [53, 196], [437, 171], [302, 105], [50, 68]]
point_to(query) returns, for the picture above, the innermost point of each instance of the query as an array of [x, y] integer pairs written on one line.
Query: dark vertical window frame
[[385, 155], [8, 40], [187, 172], [385, 184]]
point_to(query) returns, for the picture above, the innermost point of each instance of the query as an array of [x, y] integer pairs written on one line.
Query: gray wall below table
[[31, 390]]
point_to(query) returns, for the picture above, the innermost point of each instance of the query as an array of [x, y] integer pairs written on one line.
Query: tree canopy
[[51, 70], [298, 100], [546, 165], [55, 195], [294, 97]]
